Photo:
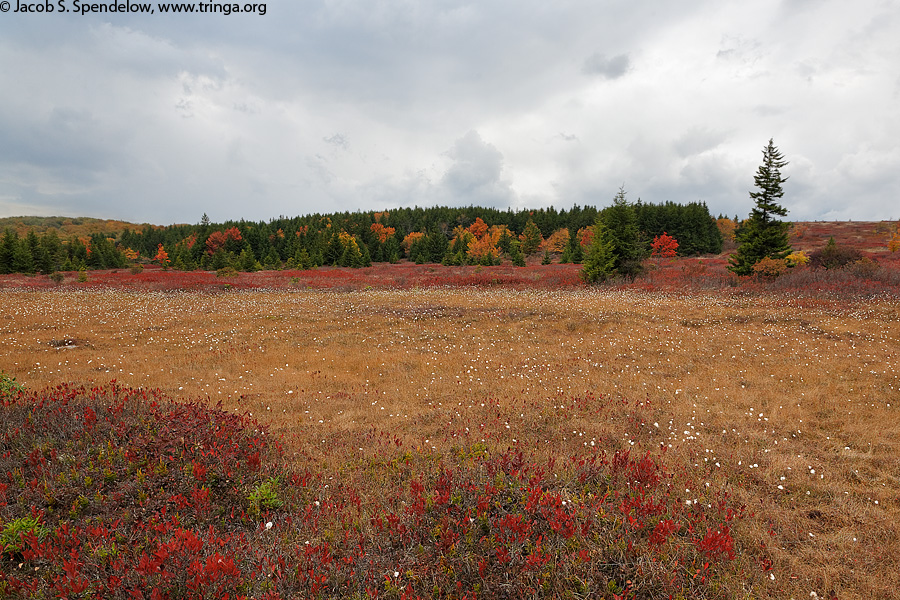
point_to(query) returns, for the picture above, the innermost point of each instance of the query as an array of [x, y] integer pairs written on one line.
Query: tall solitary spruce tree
[[762, 235]]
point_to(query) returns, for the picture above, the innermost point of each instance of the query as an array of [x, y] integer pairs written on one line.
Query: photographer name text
[[84, 8]]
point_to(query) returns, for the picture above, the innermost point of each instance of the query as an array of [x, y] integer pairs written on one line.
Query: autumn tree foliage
[[410, 239], [218, 239], [664, 246], [556, 241], [130, 254], [893, 243], [478, 228], [797, 258], [483, 251], [451, 235], [726, 228], [476, 244], [770, 268], [353, 254], [381, 232], [162, 257]]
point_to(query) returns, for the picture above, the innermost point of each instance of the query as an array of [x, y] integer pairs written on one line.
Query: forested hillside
[[65, 227]]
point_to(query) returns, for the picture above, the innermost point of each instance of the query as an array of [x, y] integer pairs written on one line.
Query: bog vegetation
[[449, 443]]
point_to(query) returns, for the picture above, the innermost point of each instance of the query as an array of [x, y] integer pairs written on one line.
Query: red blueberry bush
[[119, 493]]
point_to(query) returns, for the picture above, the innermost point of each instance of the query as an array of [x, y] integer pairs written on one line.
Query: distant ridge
[[67, 226]]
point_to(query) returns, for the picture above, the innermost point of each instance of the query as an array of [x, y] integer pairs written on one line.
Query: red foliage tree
[[664, 246], [217, 239]]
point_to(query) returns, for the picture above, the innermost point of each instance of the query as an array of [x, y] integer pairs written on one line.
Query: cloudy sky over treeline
[[334, 105]]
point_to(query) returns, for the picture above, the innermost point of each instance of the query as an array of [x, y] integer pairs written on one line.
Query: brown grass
[[796, 398]]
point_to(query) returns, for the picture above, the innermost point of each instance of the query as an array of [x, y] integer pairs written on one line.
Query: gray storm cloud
[[321, 106], [608, 68]]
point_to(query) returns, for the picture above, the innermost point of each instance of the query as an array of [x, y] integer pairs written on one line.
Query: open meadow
[[469, 442]]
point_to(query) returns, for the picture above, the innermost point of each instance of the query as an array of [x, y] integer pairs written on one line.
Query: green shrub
[[265, 496], [11, 536], [8, 386]]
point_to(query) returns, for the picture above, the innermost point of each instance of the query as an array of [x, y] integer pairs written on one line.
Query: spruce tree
[[247, 258], [22, 261], [762, 235], [7, 251], [531, 238], [620, 221], [573, 252], [600, 259], [515, 253]]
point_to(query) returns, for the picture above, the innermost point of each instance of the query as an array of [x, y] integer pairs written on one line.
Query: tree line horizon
[[441, 234]]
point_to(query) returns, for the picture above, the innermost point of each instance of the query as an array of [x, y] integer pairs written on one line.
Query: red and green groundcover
[[120, 493]]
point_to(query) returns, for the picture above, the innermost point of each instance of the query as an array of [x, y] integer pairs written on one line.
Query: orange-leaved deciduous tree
[[130, 254], [162, 257], [483, 250], [381, 232], [478, 228], [410, 239], [483, 247], [726, 228], [664, 246], [557, 241]]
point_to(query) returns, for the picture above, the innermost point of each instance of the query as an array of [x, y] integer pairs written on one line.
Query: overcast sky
[[333, 105]]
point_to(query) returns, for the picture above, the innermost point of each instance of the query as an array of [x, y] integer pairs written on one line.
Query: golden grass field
[[796, 400]]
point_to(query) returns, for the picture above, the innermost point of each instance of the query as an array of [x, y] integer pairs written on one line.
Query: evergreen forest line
[[451, 236]]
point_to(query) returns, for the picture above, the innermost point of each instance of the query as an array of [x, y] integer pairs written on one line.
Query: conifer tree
[[22, 260], [573, 252], [515, 253], [302, 260], [762, 235], [247, 259], [600, 259], [531, 238], [7, 251], [620, 221]]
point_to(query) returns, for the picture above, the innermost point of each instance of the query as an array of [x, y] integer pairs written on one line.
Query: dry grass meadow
[[792, 402]]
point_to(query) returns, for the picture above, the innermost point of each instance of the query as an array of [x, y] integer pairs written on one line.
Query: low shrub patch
[[115, 492]]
